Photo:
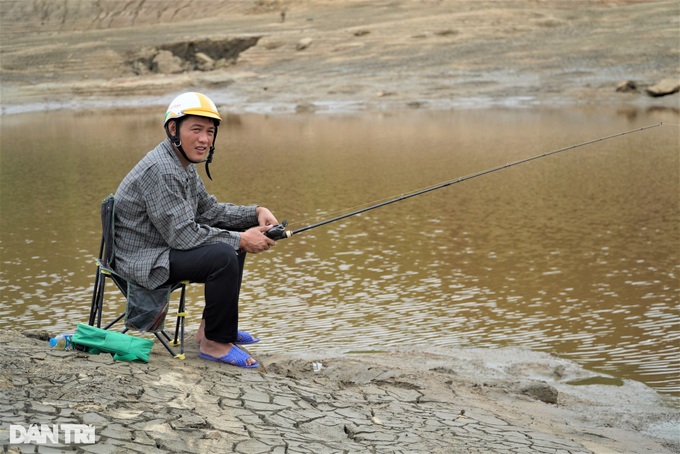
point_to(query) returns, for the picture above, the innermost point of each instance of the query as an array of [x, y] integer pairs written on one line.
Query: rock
[[166, 63], [541, 391], [139, 68], [665, 87], [42, 335], [204, 62], [303, 44], [141, 62], [271, 45], [627, 86], [223, 63]]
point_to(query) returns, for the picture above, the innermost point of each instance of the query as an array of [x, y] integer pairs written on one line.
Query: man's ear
[[172, 127]]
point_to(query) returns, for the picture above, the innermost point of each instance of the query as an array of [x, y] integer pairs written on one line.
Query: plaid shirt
[[160, 205]]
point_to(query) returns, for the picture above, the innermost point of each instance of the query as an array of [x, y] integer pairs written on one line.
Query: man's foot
[[226, 353]]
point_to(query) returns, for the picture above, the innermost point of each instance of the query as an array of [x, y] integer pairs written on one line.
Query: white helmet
[[192, 103]]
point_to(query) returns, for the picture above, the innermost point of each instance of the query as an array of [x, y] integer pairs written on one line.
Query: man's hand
[[265, 217], [254, 240]]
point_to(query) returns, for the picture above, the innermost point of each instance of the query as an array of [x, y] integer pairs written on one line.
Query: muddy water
[[575, 254]]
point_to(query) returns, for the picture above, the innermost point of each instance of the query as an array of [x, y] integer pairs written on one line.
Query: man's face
[[197, 135]]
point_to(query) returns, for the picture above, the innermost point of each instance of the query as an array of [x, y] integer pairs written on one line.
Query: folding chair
[[105, 270]]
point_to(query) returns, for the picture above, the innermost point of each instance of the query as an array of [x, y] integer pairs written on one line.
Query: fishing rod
[[279, 232]]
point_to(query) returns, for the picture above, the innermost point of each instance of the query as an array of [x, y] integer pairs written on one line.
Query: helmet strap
[[210, 154]]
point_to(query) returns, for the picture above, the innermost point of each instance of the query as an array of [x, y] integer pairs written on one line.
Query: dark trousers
[[220, 267]]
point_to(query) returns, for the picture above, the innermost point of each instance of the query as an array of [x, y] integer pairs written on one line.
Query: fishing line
[[279, 231]]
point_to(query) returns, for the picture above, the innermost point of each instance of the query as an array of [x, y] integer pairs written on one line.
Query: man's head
[[191, 123]]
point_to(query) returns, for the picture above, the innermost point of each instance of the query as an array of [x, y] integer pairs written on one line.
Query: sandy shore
[[441, 401]]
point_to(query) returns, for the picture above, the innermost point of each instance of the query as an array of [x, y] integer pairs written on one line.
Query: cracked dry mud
[[467, 400]]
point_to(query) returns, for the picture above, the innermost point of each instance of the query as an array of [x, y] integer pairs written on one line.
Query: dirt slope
[[353, 54]]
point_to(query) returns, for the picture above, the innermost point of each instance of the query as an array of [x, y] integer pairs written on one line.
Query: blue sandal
[[235, 357], [245, 338]]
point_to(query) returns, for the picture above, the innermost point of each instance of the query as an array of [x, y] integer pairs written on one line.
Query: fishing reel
[[279, 232]]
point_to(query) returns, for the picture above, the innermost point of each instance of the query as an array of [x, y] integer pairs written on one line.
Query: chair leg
[[116, 320], [95, 292], [98, 301], [178, 340], [181, 316], [167, 346]]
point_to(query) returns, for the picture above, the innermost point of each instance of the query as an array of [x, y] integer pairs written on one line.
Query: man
[[169, 229]]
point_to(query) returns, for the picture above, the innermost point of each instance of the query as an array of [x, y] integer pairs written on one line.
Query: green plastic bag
[[123, 346]]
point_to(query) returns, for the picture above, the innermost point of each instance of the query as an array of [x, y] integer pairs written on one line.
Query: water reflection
[[575, 254]]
